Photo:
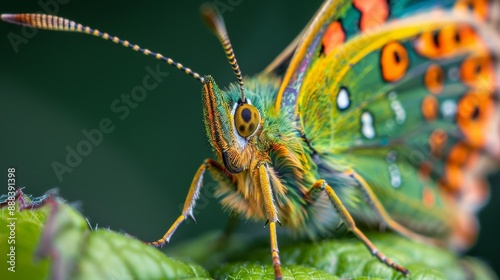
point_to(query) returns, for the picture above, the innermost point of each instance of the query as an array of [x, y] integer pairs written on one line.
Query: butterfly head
[[230, 118], [231, 121], [231, 124]]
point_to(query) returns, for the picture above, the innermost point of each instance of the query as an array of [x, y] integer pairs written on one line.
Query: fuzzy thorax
[[276, 143]]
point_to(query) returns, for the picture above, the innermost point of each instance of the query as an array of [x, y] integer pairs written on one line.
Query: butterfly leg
[[187, 210], [377, 206], [272, 216], [322, 186]]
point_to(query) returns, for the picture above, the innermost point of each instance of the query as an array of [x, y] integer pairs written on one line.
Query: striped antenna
[[215, 22], [49, 22]]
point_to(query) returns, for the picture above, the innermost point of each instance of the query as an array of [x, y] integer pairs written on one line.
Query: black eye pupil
[[246, 115], [435, 39], [478, 69], [397, 58], [475, 114]]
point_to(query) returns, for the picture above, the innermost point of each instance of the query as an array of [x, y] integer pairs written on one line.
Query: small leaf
[[70, 250], [20, 231]]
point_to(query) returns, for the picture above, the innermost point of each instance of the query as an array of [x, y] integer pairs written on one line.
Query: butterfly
[[381, 113]]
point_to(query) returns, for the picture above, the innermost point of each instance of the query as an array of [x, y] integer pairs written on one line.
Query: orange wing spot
[[474, 114], [460, 156], [428, 198], [454, 177], [430, 108], [334, 37], [434, 79], [466, 37], [394, 61], [478, 7], [449, 40], [373, 13], [478, 71], [428, 44], [437, 140]]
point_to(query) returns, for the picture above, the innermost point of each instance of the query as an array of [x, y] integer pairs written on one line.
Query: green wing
[[413, 107], [339, 21]]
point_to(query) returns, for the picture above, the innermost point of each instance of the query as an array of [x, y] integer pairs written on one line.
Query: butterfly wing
[[418, 135], [413, 107], [336, 22]]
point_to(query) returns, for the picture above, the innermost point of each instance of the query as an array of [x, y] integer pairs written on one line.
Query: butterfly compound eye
[[246, 119]]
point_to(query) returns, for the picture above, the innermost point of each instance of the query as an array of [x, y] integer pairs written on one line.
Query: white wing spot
[[367, 125], [449, 109], [398, 109], [343, 99], [394, 173]]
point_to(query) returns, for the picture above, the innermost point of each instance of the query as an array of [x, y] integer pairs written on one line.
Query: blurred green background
[[57, 84]]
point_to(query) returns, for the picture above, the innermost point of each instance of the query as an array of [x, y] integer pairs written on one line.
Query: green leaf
[[54, 241], [348, 258], [345, 257], [70, 250]]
